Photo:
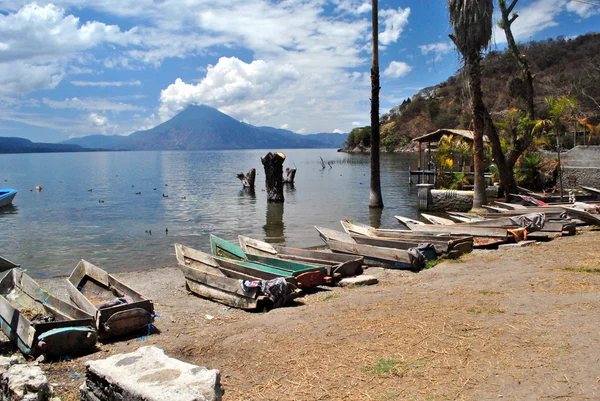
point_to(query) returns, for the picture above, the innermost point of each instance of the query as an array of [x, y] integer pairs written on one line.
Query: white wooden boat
[[437, 220], [117, 308], [450, 247], [338, 265], [39, 323], [455, 229]]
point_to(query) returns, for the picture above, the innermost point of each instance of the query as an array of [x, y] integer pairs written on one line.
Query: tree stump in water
[[248, 179], [273, 164], [290, 175]]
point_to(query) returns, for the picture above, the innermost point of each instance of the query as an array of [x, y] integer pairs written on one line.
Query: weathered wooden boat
[[308, 275], [116, 308], [592, 190], [456, 229], [437, 219], [374, 255], [39, 323], [6, 196], [338, 265], [550, 225], [6, 264], [220, 279], [588, 218], [450, 248]]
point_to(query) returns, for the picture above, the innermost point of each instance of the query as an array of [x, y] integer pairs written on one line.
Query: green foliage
[[359, 136], [385, 367], [528, 171]]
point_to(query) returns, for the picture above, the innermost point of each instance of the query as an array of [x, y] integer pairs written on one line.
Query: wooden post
[[290, 176], [273, 164], [419, 162], [248, 179], [428, 155]]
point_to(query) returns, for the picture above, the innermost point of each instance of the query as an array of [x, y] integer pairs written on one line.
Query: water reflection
[[274, 228], [248, 192], [375, 216], [8, 209]]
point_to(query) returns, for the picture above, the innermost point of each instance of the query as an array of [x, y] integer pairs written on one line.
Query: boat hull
[[64, 330], [6, 196], [117, 308]]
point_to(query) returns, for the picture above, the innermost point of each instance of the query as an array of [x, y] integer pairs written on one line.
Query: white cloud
[[106, 83], [338, 131], [90, 104], [356, 123], [97, 120], [39, 42], [284, 126], [301, 131], [582, 9], [229, 82], [534, 18], [438, 49], [397, 69], [393, 22]]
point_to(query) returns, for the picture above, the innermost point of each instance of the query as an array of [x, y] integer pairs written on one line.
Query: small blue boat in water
[[6, 196]]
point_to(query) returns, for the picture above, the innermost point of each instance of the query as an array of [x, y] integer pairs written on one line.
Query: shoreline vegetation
[[513, 322]]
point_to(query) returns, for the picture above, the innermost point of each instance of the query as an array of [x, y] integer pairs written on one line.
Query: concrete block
[[149, 375], [363, 279]]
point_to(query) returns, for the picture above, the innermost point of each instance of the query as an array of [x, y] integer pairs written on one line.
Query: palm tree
[[375, 198], [472, 23]]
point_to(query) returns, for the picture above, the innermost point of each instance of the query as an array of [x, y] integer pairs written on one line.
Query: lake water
[[51, 230]]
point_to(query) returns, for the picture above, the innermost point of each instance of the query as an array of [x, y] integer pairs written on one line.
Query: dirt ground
[[515, 324]]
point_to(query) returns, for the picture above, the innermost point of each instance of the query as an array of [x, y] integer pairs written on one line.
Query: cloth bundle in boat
[[532, 221], [275, 290], [420, 254]]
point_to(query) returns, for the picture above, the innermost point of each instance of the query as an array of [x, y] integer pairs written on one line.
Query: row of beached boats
[[100, 307], [259, 275]]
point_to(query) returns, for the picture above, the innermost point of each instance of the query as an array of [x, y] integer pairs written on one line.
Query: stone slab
[[149, 375], [363, 279], [20, 381], [519, 244]]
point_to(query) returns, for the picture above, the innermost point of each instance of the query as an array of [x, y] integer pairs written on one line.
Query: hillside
[[21, 145], [205, 128], [561, 67]]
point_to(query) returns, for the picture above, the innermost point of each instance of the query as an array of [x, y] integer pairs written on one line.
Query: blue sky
[[77, 67]]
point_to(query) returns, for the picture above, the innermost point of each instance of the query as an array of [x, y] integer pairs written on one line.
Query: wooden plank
[[256, 247], [437, 220], [404, 235], [593, 190]]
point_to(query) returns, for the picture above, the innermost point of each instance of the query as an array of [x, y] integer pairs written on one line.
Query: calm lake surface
[[51, 230]]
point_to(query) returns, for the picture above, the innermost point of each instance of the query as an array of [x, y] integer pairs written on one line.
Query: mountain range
[[205, 128]]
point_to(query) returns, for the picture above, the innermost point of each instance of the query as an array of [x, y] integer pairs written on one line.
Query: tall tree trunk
[[375, 198], [505, 24], [505, 167], [473, 67]]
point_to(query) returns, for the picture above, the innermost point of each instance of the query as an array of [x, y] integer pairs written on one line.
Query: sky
[[73, 68]]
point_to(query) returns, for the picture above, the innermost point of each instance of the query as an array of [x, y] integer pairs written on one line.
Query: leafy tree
[[472, 23]]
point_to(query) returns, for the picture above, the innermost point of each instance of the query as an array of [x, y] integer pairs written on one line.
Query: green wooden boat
[[308, 275], [218, 279]]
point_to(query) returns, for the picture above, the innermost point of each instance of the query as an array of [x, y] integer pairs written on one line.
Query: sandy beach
[[509, 324]]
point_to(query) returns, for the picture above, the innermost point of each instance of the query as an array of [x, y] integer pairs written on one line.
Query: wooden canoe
[[450, 248], [338, 265], [117, 308], [437, 219], [39, 323], [218, 279], [308, 275], [588, 218], [341, 242], [456, 229], [550, 225], [592, 190]]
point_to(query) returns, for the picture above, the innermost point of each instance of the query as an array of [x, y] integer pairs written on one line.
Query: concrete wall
[[582, 156], [574, 177]]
